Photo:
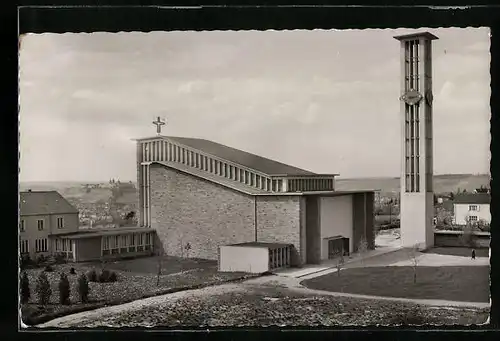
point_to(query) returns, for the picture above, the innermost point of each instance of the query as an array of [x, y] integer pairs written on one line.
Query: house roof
[[246, 159], [92, 233], [261, 244], [472, 198], [43, 203]]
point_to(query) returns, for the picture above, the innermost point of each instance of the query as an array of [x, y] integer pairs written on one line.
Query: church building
[[200, 195]]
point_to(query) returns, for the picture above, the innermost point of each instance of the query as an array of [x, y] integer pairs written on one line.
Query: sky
[[323, 100]]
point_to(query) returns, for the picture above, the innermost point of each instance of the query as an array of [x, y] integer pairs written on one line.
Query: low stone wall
[[453, 239]]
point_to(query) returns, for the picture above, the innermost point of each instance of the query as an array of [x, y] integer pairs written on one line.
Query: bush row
[[26, 261], [43, 289]]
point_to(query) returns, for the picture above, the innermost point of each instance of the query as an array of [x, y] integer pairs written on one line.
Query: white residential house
[[473, 207]]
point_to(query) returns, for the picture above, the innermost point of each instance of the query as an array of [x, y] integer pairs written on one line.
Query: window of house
[[472, 207], [40, 224], [105, 246], [22, 226], [60, 223], [148, 242], [24, 246], [115, 245], [41, 245], [123, 244], [57, 244], [131, 243], [472, 218], [65, 245], [140, 242]]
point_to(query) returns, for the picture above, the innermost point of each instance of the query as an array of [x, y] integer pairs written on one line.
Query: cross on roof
[[158, 124]]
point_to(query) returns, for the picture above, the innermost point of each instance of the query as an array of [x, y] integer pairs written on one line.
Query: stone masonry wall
[[279, 221], [186, 209]]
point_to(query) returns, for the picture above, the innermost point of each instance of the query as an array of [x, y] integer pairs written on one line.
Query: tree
[[444, 217], [83, 288], [413, 254], [452, 195], [64, 289], [483, 225], [340, 263], [187, 249], [468, 238], [159, 255], [43, 290], [362, 248], [25, 288]]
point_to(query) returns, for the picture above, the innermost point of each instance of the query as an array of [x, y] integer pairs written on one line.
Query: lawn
[[263, 307], [454, 283], [136, 279], [459, 251]]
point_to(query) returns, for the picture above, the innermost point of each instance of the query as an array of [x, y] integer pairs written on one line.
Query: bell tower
[[417, 195]]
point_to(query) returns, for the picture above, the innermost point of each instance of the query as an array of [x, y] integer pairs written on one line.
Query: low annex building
[[199, 195], [49, 226]]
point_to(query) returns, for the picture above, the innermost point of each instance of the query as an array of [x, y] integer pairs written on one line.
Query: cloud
[[310, 98]]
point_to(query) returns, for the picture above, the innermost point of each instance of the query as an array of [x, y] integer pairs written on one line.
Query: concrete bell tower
[[417, 195]]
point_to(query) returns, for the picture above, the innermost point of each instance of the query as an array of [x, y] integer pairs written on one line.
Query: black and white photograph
[[186, 179]]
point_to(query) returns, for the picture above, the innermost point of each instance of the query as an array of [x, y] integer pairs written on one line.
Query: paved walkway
[[329, 266]]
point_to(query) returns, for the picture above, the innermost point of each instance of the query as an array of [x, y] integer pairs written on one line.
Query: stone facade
[[186, 209], [279, 220]]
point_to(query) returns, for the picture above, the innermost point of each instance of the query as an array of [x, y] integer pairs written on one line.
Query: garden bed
[[130, 286]]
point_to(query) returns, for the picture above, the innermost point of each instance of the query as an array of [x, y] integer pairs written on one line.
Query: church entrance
[[337, 247]]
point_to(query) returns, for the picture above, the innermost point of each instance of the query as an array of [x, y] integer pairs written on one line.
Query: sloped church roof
[[240, 157]]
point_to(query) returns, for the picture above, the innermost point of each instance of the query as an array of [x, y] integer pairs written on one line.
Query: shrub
[[49, 268], [83, 288], [25, 288], [25, 262], [72, 271], [43, 290], [41, 259], [107, 276], [64, 289], [92, 276], [60, 258]]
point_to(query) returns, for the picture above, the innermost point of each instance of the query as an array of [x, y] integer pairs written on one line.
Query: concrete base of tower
[[416, 215]]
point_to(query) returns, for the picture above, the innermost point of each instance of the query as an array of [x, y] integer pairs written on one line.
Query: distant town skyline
[[322, 100]]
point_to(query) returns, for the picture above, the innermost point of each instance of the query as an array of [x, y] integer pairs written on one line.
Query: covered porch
[[91, 245], [337, 223]]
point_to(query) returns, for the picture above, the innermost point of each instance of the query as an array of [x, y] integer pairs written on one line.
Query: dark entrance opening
[[338, 247]]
